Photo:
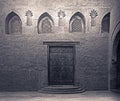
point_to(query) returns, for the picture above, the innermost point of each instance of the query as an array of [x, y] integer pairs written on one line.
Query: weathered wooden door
[[61, 65]]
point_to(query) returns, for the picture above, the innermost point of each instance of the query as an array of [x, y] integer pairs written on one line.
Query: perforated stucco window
[[77, 25], [46, 26]]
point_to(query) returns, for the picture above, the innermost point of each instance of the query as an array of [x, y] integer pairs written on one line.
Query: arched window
[[13, 24], [45, 24], [77, 23], [106, 23]]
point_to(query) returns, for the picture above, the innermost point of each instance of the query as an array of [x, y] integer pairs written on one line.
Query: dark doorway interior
[[118, 66], [61, 65]]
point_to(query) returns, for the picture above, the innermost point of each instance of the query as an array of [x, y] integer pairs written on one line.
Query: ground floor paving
[[35, 96]]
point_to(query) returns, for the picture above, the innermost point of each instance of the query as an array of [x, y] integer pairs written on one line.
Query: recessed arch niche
[[13, 24], [45, 23], [115, 70], [105, 25], [77, 23]]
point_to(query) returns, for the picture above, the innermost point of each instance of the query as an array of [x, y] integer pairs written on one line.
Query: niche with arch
[[45, 23], [77, 23], [117, 50], [115, 69], [13, 24], [118, 65], [105, 26]]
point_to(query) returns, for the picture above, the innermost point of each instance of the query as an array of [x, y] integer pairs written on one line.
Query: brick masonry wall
[[23, 61], [23, 58]]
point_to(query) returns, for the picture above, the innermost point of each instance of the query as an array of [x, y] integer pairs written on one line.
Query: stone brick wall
[[23, 58]]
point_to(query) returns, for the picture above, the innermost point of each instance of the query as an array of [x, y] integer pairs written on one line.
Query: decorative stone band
[[59, 43]]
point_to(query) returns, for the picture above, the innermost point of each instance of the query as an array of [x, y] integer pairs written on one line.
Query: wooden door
[[61, 65]]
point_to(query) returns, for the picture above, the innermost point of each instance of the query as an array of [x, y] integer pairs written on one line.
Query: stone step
[[116, 90], [61, 89]]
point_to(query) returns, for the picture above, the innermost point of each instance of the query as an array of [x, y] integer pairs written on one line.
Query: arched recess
[[45, 23], [115, 70], [105, 25], [115, 40], [118, 64], [77, 23], [13, 24]]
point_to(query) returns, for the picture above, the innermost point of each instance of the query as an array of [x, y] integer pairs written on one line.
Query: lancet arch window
[[77, 23], [45, 24], [105, 26], [13, 24]]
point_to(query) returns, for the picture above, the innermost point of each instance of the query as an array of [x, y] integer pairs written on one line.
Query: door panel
[[61, 65]]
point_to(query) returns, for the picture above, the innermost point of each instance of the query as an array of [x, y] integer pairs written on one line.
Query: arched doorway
[[115, 70], [118, 64]]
